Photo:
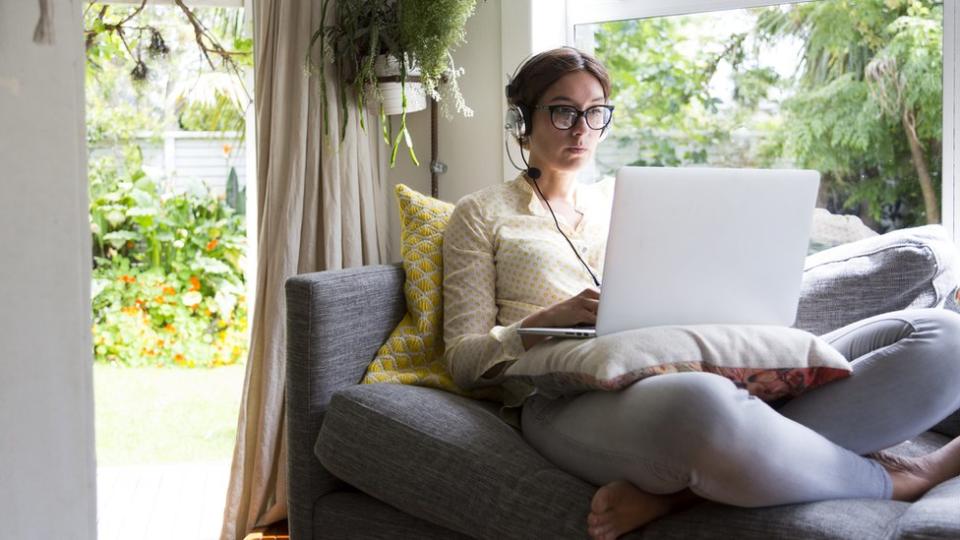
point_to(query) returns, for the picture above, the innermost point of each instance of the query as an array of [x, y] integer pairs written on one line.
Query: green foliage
[[668, 110], [236, 196], [222, 115], [429, 30], [160, 44], [865, 65], [870, 72], [168, 284], [421, 32]]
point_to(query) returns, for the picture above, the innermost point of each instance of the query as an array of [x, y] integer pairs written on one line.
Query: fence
[[186, 160]]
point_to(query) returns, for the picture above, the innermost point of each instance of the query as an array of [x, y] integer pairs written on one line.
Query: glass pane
[[851, 89]]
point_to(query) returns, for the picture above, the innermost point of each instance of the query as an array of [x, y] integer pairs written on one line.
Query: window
[[853, 89]]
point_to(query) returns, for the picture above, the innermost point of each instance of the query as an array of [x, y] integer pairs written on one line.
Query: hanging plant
[[395, 51]]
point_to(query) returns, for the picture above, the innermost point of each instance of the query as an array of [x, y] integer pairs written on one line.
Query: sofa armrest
[[336, 322]]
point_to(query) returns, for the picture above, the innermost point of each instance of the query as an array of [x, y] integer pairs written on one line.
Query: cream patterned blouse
[[503, 259]]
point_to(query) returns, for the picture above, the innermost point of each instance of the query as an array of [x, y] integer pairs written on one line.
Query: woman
[[527, 253]]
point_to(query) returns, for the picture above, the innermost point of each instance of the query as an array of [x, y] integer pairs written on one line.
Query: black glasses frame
[[583, 113]]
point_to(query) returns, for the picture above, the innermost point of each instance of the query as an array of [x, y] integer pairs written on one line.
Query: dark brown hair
[[535, 76]]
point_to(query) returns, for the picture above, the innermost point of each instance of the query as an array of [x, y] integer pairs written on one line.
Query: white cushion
[[769, 361]]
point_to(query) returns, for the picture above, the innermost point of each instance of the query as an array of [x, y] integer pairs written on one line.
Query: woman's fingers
[[590, 293]]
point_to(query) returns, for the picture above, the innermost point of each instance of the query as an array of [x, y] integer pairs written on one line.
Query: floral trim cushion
[[953, 300], [768, 361]]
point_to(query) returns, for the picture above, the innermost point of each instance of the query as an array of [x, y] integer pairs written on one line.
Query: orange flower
[[168, 290], [158, 299], [130, 244], [212, 244], [170, 328], [194, 283], [179, 359], [127, 279], [130, 310], [227, 149]]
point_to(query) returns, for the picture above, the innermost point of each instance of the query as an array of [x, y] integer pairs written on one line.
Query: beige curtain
[[321, 205]]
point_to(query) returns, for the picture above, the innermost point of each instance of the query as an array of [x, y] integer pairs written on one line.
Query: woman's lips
[[576, 149]]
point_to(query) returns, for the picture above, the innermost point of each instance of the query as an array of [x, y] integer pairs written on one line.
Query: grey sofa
[[393, 461]]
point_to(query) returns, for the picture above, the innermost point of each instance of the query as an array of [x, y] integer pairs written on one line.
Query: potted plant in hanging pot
[[393, 52], [391, 91]]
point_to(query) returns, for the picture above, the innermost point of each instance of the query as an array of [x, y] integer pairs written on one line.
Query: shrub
[[168, 284]]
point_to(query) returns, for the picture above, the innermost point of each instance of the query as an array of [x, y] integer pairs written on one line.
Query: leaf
[[118, 239], [139, 211], [191, 298], [210, 266]]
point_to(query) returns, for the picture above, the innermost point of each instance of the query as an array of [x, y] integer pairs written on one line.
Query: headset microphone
[[533, 173]]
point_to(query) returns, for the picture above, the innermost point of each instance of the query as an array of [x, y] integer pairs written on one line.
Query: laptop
[[693, 246]]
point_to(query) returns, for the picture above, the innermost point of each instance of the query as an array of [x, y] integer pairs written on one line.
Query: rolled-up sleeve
[[473, 340]]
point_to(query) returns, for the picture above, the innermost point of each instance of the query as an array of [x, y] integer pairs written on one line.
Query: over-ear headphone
[[517, 119]]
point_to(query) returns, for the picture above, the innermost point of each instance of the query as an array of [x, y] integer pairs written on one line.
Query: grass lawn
[[153, 415]]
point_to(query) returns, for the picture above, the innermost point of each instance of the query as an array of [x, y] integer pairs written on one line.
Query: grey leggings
[[699, 431]]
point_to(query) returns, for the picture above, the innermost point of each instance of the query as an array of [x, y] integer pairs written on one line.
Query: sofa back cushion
[[910, 268]]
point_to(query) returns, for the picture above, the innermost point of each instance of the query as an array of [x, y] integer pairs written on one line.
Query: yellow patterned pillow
[[413, 354]]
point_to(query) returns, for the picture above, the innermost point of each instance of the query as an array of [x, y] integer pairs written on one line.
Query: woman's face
[[566, 149]]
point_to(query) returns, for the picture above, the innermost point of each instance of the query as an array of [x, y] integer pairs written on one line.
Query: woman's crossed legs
[[697, 431]]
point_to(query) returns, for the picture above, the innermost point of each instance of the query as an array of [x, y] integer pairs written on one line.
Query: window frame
[[596, 11]]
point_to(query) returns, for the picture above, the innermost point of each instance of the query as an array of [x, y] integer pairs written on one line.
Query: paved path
[[171, 500]]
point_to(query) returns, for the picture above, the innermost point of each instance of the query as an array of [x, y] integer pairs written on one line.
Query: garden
[[169, 292]]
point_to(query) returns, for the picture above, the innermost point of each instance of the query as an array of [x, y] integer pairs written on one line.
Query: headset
[[516, 123]]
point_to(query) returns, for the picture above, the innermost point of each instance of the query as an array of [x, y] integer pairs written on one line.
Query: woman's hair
[[535, 76]]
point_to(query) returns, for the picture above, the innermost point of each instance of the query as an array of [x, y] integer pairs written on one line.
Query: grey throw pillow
[[909, 268]]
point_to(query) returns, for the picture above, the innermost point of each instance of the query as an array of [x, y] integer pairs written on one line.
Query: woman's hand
[[578, 310]]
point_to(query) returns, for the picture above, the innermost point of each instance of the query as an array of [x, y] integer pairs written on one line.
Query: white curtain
[[321, 205]]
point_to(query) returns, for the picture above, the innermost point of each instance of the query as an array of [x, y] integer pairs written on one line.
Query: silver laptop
[[703, 246]]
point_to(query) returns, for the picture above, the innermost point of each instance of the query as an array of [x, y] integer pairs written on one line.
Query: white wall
[[47, 470], [471, 147]]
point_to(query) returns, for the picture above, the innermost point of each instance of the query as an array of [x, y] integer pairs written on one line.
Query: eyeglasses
[[565, 116]]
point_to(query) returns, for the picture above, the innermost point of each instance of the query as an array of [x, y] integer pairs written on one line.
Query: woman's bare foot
[[912, 477], [620, 507]]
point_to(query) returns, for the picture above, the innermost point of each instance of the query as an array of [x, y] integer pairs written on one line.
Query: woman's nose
[[580, 126]]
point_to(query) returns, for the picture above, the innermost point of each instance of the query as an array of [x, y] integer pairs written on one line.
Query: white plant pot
[[391, 92]]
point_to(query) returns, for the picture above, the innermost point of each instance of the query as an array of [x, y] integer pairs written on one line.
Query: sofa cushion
[[771, 362], [451, 461], [936, 515], [351, 514], [413, 354], [845, 519], [908, 268]]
